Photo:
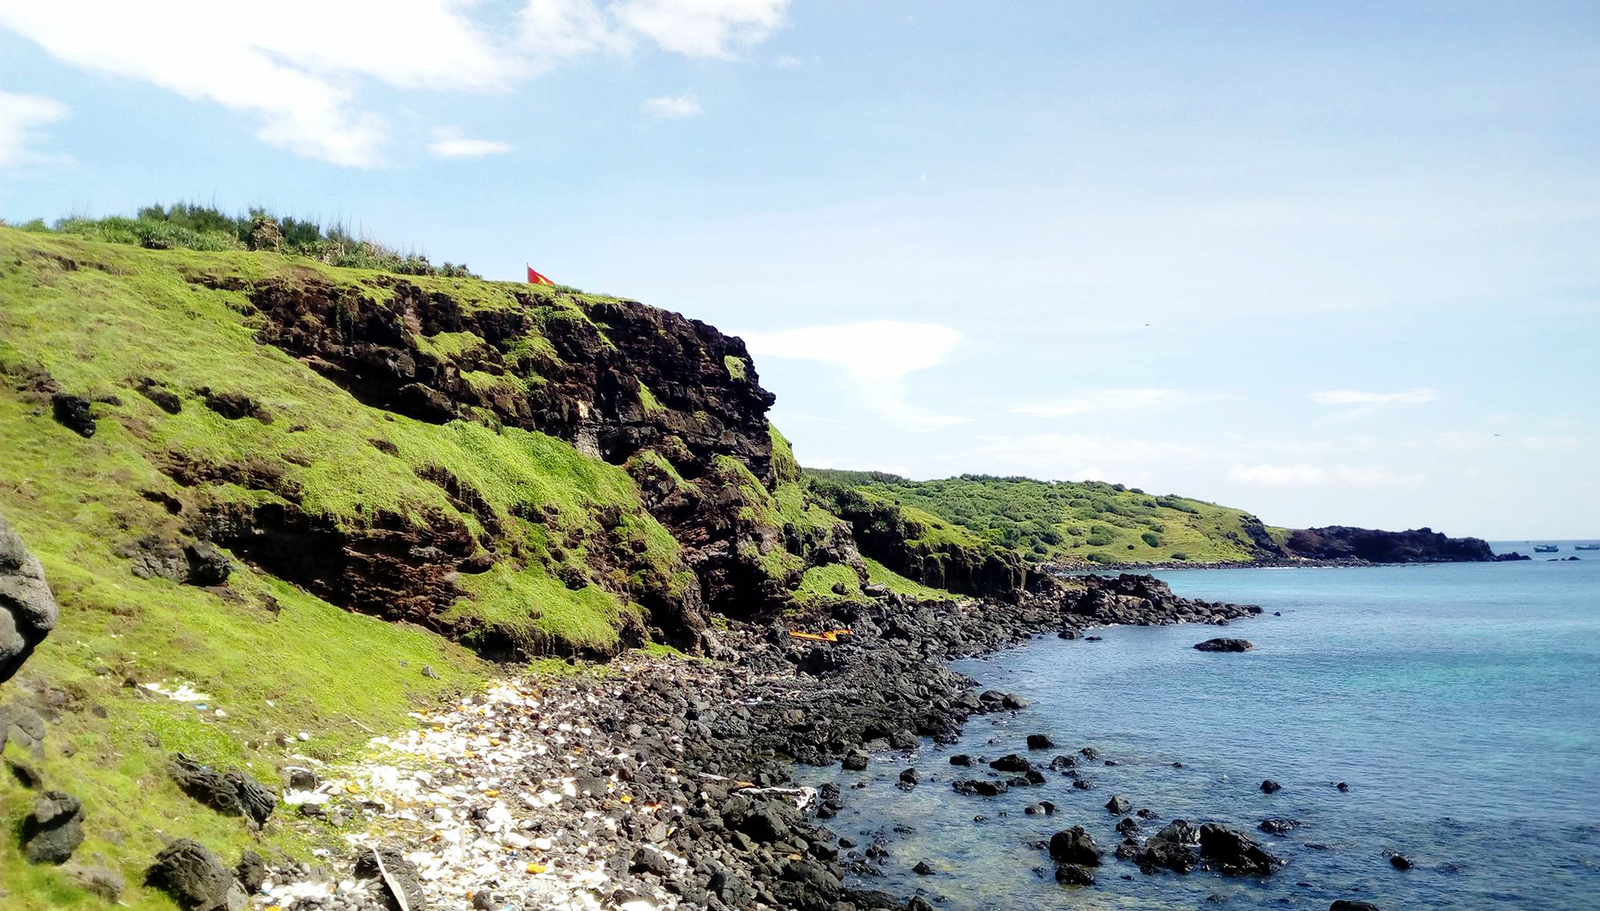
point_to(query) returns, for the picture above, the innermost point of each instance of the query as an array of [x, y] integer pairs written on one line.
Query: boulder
[[252, 871], [97, 880], [196, 878], [27, 609], [961, 759], [54, 829], [1347, 905], [855, 761], [908, 776], [1400, 862], [1164, 854], [1118, 804], [1232, 851], [1075, 846], [1270, 787], [1224, 645], [207, 565], [1039, 742], [232, 793], [21, 725], [981, 787]]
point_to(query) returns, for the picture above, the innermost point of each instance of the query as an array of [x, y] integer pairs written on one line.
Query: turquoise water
[[1460, 702]]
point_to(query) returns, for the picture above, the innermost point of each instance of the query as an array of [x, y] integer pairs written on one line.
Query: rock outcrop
[[54, 829], [196, 878], [1421, 545], [27, 608]]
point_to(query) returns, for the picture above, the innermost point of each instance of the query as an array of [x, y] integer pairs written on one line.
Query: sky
[[1332, 263]]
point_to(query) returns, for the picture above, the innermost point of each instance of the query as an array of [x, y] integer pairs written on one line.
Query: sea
[[1460, 703]]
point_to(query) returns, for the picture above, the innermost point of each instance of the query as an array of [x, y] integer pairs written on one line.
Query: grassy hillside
[[200, 425], [1089, 522]]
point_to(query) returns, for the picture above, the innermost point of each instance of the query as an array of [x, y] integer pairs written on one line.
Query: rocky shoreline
[[656, 782]]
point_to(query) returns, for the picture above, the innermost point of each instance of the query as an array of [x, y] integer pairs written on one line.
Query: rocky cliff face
[[952, 561], [1421, 545]]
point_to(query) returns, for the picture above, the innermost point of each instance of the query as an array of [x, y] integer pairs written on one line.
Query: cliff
[[1422, 545]]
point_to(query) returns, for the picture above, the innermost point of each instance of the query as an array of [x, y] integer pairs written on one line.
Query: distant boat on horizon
[[1586, 547], [1546, 548]]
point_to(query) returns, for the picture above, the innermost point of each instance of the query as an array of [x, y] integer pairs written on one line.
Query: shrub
[[1150, 539], [1179, 555]]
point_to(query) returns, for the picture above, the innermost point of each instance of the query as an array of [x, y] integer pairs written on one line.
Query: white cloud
[[1473, 442], [449, 143], [1306, 475], [21, 117], [1359, 397], [672, 107], [715, 29], [298, 66], [874, 358], [1117, 400]]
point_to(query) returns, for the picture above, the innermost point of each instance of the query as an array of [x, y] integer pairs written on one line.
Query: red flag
[[535, 278]]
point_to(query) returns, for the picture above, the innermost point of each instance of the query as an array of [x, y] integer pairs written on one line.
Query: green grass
[[1066, 521], [736, 366], [817, 586]]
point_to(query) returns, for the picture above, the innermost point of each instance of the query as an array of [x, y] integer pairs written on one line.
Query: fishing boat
[[1586, 547], [1546, 548]]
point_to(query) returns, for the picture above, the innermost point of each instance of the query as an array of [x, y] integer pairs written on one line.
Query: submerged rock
[[1075, 846], [1073, 875]]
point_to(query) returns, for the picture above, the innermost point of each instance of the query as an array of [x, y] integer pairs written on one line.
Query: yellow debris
[[536, 868], [625, 799], [492, 792]]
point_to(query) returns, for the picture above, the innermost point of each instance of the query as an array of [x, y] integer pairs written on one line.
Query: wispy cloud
[[874, 358], [449, 143], [1306, 475], [1115, 400], [22, 118], [715, 29], [1360, 397], [672, 107]]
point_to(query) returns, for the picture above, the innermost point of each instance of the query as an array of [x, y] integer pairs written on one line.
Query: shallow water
[[1461, 703]]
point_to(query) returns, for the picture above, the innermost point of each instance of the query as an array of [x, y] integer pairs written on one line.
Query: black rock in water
[[979, 786], [1011, 762], [854, 761], [1039, 742], [1346, 905], [961, 759], [1400, 861], [1224, 645], [1270, 787], [1075, 846], [1118, 804], [1234, 852]]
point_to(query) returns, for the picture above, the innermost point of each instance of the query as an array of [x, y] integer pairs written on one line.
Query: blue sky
[[1333, 263]]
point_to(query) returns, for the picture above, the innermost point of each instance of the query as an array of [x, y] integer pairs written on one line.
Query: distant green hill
[[1075, 522]]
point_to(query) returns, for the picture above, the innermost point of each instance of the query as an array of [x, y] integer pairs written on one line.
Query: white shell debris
[[455, 793], [182, 693]]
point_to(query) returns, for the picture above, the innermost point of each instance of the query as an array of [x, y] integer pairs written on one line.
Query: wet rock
[[1039, 742], [855, 760], [232, 794], [1343, 786], [1180, 832], [1089, 753], [1400, 861], [908, 776], [922, 869], [1270, 787], [1127, 826], [54, 829], [1075, 846], [1011, 762], [1278, 825], [961, 759], [1159, 853], [1349, 905], [28, 610], [1073, 875], [1063, 762], [73, 413], [1224, 645], [979, 786], [1118, 804], [1232, 851], [196, 878]]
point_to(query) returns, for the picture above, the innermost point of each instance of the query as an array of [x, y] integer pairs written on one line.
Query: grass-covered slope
[[1064, 521]]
